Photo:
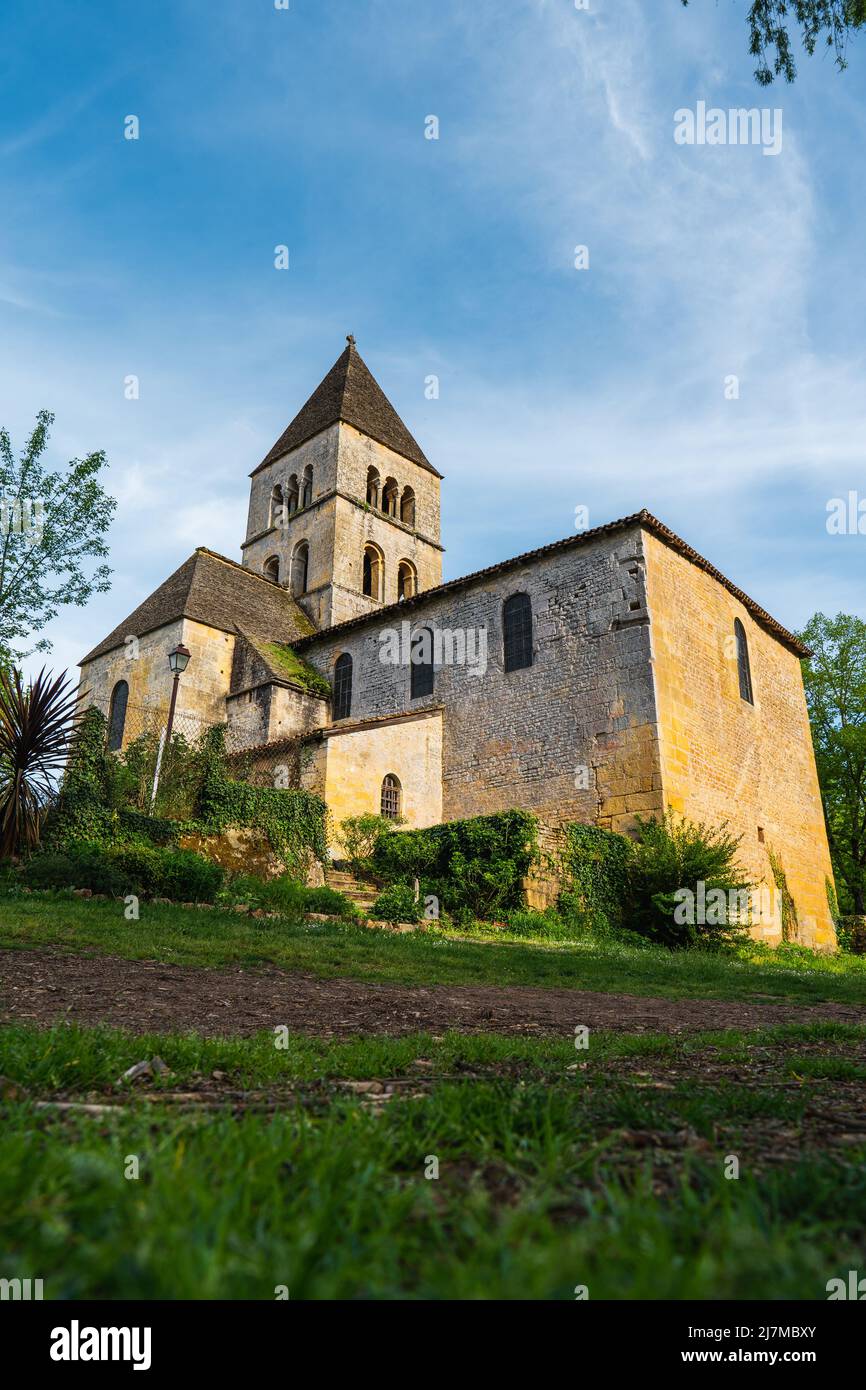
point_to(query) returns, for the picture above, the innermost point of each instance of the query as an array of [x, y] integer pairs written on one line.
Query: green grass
[[538, 1189], [76, 1059], [221, 938]]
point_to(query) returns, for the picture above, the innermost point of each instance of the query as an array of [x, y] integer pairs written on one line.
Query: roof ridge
[[644, 517], [226, 560]]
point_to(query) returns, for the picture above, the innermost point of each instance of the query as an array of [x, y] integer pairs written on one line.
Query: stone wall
[[144, 666], [725, 759], [572, 737], [353, 761], [337, 524]]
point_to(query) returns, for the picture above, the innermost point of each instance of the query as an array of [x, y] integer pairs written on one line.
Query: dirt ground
[[45, 986]]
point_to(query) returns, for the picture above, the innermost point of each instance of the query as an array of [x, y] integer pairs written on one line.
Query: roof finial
[[350, 339]]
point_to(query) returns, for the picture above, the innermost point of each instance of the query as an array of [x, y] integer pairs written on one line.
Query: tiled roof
[[220, 593], [350, 393], [642, 518]]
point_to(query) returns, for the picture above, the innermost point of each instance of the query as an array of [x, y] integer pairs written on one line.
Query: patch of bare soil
[[46, 986]]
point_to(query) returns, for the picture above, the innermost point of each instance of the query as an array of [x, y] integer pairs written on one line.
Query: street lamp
[[178, 660]]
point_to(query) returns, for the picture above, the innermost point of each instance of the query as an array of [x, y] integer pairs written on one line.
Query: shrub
[[473, 867], [359, 835], [85, 869], [397, 904], [283, 894], [119, 870], [674, 856], [328, 900], [851, 935], [286, 895], [36, 728]]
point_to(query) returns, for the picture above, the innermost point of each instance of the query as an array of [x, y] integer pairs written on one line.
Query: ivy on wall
[[100, 799], [294, 821], [595, 870], [790, 924]]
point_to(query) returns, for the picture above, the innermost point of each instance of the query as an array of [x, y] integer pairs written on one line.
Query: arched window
[[271, 569], [276, 513], [292, 494], [342, 706], [372, 486], [517, 631], [374, 572], [421, 655], [300, 568], [407, 580], [390, 493], [307, 486], [407, 507], [392, 797], [743, 668], [117, 715]]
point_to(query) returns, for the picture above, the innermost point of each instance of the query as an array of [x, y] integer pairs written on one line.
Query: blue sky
[[455, 257]]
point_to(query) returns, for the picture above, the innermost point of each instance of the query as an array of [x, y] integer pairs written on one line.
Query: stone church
[[612, 673]]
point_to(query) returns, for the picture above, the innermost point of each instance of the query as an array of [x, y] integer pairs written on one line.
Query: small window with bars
[[391, 797]]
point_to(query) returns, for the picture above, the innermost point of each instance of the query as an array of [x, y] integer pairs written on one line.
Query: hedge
[[475, 866], [119, 870]]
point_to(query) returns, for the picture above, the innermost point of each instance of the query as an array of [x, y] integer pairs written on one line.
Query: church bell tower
[[344, 509]]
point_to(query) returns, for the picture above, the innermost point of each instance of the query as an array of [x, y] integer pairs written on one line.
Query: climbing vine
[[595, 872], [790, 924], [294, 821], [104, 794]]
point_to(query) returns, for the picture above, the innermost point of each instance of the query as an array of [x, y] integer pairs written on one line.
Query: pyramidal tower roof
[[351, 394]]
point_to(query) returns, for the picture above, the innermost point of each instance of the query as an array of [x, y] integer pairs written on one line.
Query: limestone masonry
[[608, 675]]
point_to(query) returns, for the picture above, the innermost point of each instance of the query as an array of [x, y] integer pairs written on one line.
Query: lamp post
[[178, 660]]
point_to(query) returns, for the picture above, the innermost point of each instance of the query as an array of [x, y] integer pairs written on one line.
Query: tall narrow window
[[373, 577], [407, 507], [300, 568], [276, 516], [389, 497], [307, 486], [117, 716], [743, 668], [342, 706], [392, 796], [407, 580], [292, 494], [271, 569], [372, 487], [517, 631], [421, 654]]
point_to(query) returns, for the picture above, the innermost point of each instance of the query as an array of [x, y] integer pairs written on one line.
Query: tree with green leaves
[[835, 681], [51, 525], [831, 22]]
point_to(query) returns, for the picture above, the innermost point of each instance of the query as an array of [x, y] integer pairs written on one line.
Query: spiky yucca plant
[[36, 724]]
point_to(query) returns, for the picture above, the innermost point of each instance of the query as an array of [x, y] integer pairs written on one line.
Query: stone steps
[[362, 894]]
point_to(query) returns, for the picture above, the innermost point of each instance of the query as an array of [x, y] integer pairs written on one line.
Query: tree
[[835, 681], [50, 525], [36, 724], [832, 21]]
